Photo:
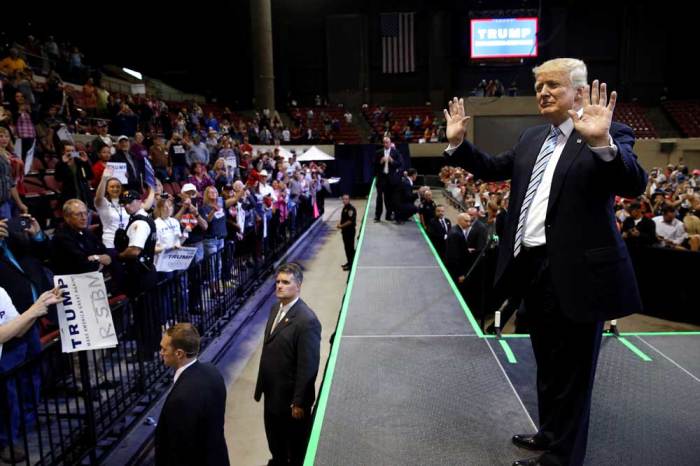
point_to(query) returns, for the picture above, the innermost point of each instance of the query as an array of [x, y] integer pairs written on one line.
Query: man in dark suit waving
[[561, 250], [387, 168], [190, 429], [288, 369]]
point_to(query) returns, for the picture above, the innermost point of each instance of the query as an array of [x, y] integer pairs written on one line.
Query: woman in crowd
[[213, 211], [200, 178], [8, 188]]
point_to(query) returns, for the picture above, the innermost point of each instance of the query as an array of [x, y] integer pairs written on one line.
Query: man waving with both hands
[[561, 251]]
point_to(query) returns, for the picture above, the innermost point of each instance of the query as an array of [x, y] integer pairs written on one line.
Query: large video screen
[[503, 38]]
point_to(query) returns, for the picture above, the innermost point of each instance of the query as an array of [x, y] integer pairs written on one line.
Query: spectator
[[192, 221], [8, 187], [669, 230], [25, 130], [12, 63], [162, 164], [199, 178], [125, 121], [73, 172], [22, 276], [103, 156], [637, 230], [74, 249], [197, 152], [90, 97], [137, 149], [13, 326], [692, 229], [135, 169], [103, 138]]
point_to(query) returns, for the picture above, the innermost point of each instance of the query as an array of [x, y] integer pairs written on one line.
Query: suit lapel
[[571, 150], [286, 321]]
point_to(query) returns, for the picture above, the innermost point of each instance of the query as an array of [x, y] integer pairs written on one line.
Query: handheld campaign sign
[[84, 315], [175, 259], [118, 171]]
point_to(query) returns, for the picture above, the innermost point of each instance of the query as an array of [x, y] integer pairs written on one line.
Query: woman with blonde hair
[[8, 185], [691, 222]]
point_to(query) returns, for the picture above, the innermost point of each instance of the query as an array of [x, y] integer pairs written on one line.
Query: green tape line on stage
[[323, 396], [461, 301], [508, 351], [634, 349]]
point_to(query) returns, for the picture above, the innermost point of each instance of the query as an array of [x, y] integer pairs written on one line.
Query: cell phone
[[75, 154], [24, 223]]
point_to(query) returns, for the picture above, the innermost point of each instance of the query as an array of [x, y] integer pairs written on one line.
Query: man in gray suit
[[288, 369]]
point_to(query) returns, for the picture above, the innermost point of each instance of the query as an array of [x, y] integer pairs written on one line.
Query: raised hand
[[456, 122], [594, 122]]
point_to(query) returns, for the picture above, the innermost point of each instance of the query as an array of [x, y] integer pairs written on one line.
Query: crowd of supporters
[[418, 127]]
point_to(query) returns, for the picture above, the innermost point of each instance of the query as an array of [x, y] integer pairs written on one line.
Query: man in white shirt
[[669, 230], [561, 250]]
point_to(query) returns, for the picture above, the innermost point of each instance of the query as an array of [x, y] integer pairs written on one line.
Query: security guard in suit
[[347, 225]]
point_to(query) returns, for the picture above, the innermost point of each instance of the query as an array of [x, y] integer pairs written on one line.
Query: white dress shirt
[[387, 156], [179, 372], [282, 312], [673, 232]]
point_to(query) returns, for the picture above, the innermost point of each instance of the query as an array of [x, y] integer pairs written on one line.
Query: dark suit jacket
[[591, 270], [478, 236], [437, 234], [647, 232], [395, 168], [190, 429], [290, 359], [456, 253], [70, 251]]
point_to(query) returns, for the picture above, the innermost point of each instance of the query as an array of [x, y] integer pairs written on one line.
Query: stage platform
[[412, 380]]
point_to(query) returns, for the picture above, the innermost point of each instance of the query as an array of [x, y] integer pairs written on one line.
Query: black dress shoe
[[530, 442], [528, 462]]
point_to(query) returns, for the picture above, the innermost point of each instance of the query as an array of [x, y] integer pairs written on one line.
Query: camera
[[24, 223]]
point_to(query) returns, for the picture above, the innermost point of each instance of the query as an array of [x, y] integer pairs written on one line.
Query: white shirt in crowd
[[674, 231], [8, 312], [387, 155], [112, 216], [139, 231], [168, 231]]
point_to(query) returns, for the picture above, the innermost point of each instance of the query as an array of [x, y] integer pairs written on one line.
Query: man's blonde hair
[[578, 73]]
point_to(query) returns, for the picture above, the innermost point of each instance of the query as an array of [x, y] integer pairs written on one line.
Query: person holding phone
[[74, 171]]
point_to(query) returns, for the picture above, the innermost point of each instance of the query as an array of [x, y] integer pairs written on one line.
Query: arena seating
[[686, 115]]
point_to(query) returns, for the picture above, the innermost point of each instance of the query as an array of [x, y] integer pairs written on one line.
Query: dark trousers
[[566, 353], [287, 437], [349, 244], [385, 198]]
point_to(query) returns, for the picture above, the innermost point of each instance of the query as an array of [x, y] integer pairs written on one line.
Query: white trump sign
[[84, 315], [175, 259]]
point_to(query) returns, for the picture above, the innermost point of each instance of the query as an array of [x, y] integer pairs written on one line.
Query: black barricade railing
[[58, 408]]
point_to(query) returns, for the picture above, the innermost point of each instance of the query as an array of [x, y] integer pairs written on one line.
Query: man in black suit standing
[[387, 168], [438, 228], [288, 369], [561, 250], [190, 429], [406, 203], [456, 251]]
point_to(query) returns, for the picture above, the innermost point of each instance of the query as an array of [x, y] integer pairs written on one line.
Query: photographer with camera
[[73, 172]]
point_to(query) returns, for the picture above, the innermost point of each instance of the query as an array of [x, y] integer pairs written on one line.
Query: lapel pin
[[578, 141]]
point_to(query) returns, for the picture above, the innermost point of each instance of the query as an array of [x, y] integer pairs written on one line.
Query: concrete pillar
[[264, 77]]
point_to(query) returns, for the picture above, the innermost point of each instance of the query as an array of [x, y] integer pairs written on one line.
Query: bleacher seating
[[400, 115], [348, 134], [633, 115], [686, 115]]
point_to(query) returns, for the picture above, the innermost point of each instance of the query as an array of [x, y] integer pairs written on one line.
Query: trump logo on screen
[[504, 38]]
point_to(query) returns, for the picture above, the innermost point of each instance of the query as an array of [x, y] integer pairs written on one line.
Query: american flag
[[398, 44]]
